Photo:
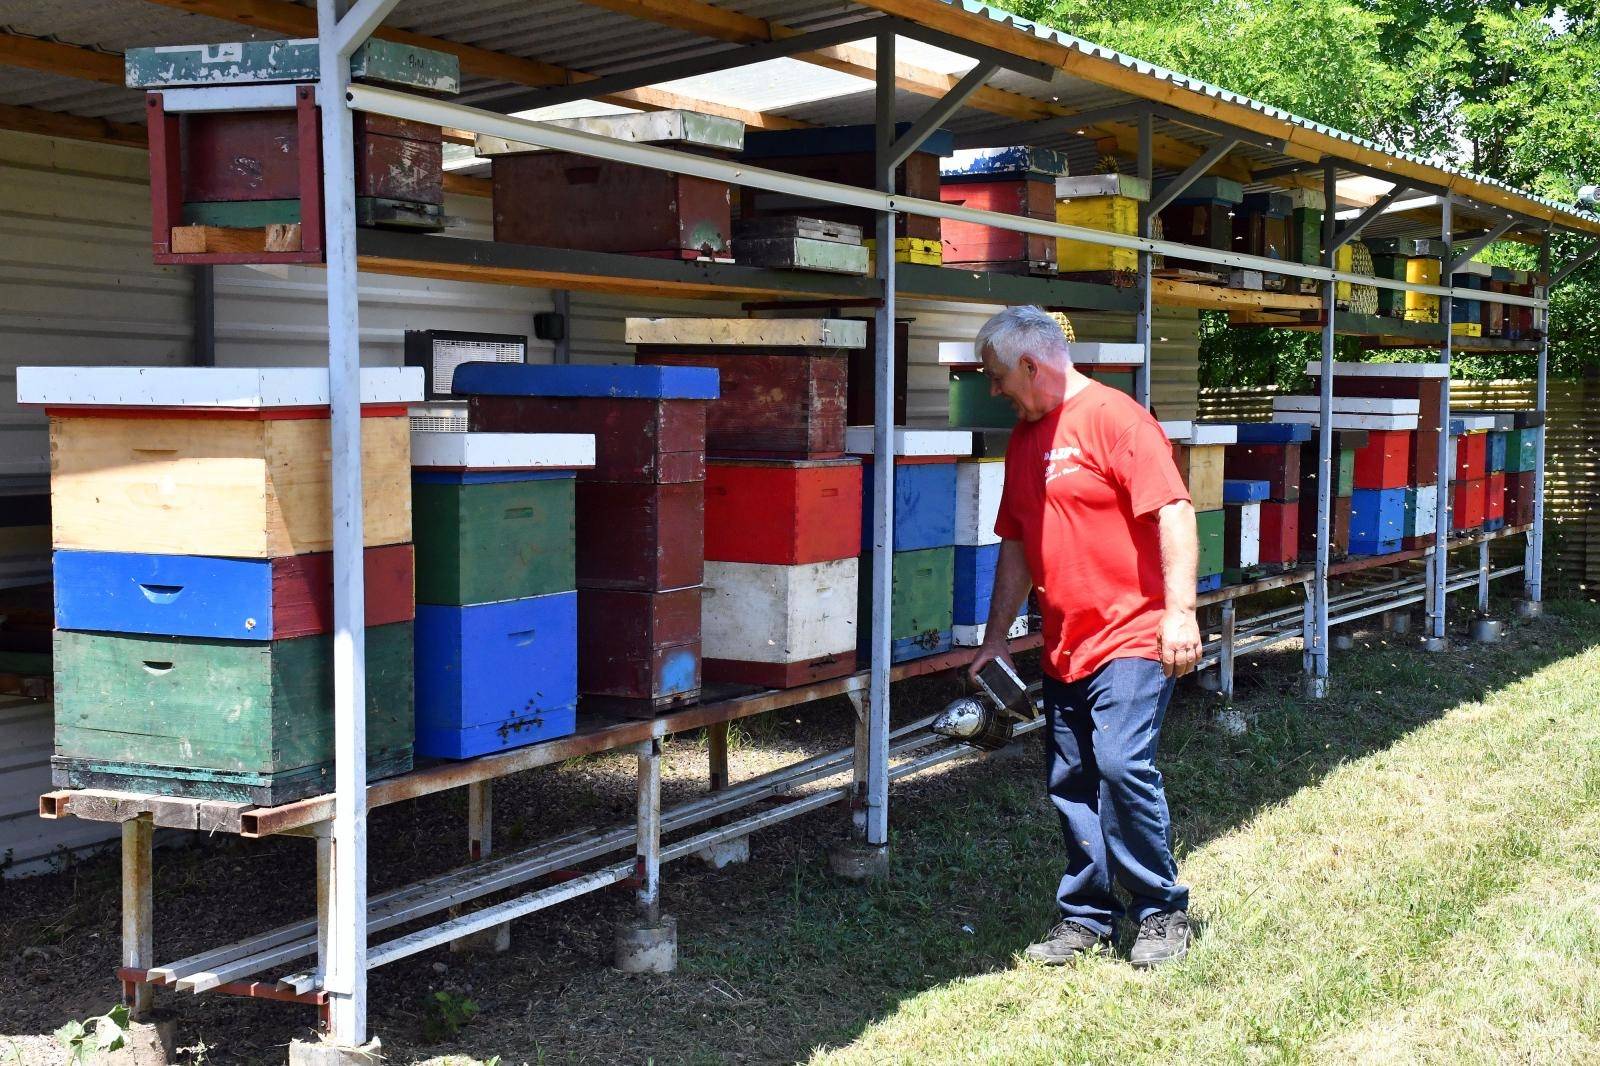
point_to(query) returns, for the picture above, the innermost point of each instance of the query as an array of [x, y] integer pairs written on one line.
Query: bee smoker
[[987, 718]]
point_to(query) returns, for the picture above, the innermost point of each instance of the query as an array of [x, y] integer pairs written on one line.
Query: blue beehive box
[[1209, 583], [601, 382], [924, 505], [496, 675], [1497, 452], [1377, 521], [1274, 432], [1236, 491]]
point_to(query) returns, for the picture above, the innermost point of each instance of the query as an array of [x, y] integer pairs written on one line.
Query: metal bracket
[[1194, 172], [1565, 270], [1480, 243], [939, 113], [1350, 232], [1030, 68]]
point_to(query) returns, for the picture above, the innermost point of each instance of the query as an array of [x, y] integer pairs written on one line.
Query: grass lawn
[[1411, 874]]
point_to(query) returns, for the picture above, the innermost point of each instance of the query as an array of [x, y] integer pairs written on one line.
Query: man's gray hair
[[1019, 331]]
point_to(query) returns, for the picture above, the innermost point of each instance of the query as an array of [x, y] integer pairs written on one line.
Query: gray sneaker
[[1067, 941], [1162, 938]]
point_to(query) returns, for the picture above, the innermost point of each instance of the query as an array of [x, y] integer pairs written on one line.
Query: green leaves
[[86, 1040]]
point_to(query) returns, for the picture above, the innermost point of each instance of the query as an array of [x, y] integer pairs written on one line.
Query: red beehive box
[[1277, 464], [1280, 531], [639, 652], [1467, 500], [785, 513], [969, 244], [1423, 465], [1472, 456], [640, 536], [1494, 497], [860, 396], [635, 440], [562, 200], [1385, 463], [1519, 498], [1341, 526]]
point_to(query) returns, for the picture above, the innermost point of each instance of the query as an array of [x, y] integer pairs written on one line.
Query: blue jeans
[[1100, 749]]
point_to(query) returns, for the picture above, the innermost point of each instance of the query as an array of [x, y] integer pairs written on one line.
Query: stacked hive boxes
[[1199, 452], [497, 600], [922, 602], [1270, 452], [1414, 387], [1305, 229], [1203, 216], [1468, 313], [782, 499], [1345, 445], [979, 483], [1241, 543], [1522, 455], [1494, 506], [1469, 465], [566, 200], [848, 155], [191, 514], [639, 514], [1105, 202], [1014, 181], [245, 170], [1391, 258], [1261, 227]]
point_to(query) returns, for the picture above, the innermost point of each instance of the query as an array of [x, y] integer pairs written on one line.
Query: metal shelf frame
[[338, 937]]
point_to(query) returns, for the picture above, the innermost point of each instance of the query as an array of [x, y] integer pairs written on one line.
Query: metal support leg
[[1317, 676], [138, 910], [1440, 572], [324, 906], [1142, 322], [480, 845], [857, 858], [1225, 654], [1483, 578], [1533, 562], [650, 943], [717, 749]]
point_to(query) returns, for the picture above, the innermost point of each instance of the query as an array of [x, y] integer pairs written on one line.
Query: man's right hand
[[986, 653]]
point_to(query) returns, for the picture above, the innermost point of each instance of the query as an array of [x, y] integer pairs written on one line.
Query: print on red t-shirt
[[1083, 488]]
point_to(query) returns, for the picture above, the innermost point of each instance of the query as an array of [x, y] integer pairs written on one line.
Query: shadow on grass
[[777, 957]]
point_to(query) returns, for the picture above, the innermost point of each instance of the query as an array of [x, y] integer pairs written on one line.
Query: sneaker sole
[[1150, 964], [1062, 960]]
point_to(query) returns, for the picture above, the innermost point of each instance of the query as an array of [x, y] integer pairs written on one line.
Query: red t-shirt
[[1083, 488]]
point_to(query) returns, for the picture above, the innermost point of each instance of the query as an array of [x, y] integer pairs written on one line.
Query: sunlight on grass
[[1435, 901]]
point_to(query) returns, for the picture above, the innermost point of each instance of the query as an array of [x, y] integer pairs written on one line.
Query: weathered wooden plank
[[253, 62], [274, 237], [639, 646], [787, 404], [640, 536]]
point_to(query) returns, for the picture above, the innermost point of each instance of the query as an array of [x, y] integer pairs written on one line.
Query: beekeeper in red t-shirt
[[1096, 519]]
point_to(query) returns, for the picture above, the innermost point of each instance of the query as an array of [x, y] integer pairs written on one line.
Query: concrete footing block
[[1487, 630], [491, 941], [856, 860], [1209, 679], [648, 947], [1314, 688], [1342, 641], [323, 1053], [1397, 622], [146, 1043], [725, 853], [1436, 644], [1528, 610]]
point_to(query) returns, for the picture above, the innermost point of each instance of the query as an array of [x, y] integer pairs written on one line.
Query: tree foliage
[[1509, 90]]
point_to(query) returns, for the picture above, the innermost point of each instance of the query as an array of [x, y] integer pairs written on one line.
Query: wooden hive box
[[1014, 181], [640, 536], [1468, 500], [1278, 464], [979, 485], [922, 604], [779, 626], [1203, 217], [1494, 500], [1209, 525], [972, 405], [649, 423], [847, 155], [782, 512], [1106, 202], [1241, 536], [1469, 453], [493, 676], [494, 514], [974, 591], [1201, 466], [1280, 532], [639, 652], [1377, 521], [782, 381], [1519, 498], [209, 461], [860, 388], [228, 599], [243, 721], [924, 504]]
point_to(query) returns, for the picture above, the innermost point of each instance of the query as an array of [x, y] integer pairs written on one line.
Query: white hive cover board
[[763, 332], [502, 451], [649, 127], [1347, 420], [1475, 423], [180, 386], [1178, 431], [1350, 405], [1381, 370], [912, 442], [1214, 433], [1106, 353]]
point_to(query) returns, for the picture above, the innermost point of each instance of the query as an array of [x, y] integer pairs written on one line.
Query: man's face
[[1014, 383]]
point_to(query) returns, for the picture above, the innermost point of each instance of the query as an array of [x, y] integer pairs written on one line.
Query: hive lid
[[1381, 370], [257, 62], [1206, 433], [598, 382], [1000, 162], [224, 387], [1354, 405], [912, 443], [754, 332], [1125, 185], [682, 128], [502, 451]]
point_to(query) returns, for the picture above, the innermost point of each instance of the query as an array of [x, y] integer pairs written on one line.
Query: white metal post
[[346, 979], [1441, 534], [1143, 320], [877, 821], [1317, 682], [138, 909], [1533, 563], [1225, 665], [647, 898]]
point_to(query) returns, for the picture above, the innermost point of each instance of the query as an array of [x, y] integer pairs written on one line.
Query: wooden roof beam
[[72, 127], [293, 20], [67, 60]]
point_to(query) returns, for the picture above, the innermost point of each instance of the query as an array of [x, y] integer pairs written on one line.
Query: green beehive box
[[256, 62], [971, 406], [483, 543], [243, 721], [1522, 450], [1305, 234], [923, 595], [1121, 380], [1347, 471], [1209, 525]]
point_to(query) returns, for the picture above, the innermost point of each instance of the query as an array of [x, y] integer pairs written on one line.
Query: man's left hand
[[1179, 638]]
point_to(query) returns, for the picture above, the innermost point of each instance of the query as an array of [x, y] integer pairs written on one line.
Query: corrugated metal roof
[[585, 37]]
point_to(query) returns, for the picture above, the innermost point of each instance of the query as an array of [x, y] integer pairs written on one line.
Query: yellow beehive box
[[917, 250], [1467, 329], [239, 487], [1421, 307], [1201, 468], [1116, 214]]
